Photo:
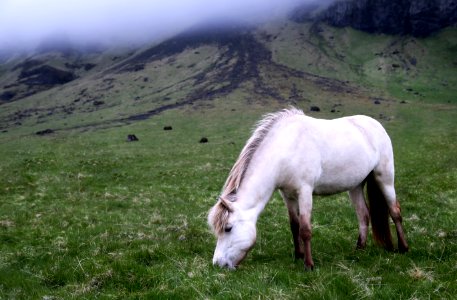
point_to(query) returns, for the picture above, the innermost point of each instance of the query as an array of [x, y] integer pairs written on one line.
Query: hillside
[[308, 64]]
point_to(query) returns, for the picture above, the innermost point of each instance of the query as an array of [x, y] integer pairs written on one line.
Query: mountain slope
[[341, 71]]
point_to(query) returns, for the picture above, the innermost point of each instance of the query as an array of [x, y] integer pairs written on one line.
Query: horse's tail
[[379, 213]]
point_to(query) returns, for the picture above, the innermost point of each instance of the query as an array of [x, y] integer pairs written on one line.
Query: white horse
[[302, 156]]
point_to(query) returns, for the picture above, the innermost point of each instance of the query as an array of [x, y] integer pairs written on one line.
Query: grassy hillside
[[403, 67], [85, 214]]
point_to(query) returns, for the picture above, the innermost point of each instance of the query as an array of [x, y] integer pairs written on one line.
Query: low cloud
[[26, 23]]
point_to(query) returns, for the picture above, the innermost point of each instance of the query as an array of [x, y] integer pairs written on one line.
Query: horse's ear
[[226, 203]]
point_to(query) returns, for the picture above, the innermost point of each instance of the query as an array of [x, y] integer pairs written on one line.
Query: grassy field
[[85, 214], [88, 215]]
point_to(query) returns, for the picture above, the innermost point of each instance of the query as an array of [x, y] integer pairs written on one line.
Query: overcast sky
[[24, 23]]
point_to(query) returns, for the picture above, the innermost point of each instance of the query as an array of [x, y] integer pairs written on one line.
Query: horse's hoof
[[299, 255], [309, 266], [360, 247], [360, 244], [403, 249]]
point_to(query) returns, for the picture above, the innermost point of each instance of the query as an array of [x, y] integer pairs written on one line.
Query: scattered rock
[[8, 95], [98, 103], [44, 132], [132, 138], [314, 108], [45, 75], [168, 128], [203, 140]]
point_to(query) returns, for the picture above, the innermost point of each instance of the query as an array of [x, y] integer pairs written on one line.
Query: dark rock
[[377, 102], [45, 75], [203, 140], [168, 128], [314, 108], [132, 138], [7, 96], [98, 102], [416, 17], [89, 66], [44, 132]]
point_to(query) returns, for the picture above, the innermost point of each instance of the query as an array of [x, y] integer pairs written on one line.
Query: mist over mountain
[[26, 24]]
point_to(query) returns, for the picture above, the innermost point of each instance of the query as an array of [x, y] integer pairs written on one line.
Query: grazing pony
[[302, 156]]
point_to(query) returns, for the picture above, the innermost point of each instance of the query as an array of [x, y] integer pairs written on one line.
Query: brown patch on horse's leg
[[305, 235], [395, 213], [361, 209], [295, 228]]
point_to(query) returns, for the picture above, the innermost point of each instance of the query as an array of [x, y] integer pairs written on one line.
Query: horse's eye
[[228, 229]]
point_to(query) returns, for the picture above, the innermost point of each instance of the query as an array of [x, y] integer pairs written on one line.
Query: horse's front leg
[[363, 216], [305, 207], [291, 202], [295, 228]]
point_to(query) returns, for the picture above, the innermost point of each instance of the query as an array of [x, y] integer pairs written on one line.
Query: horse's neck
[[256, 188]]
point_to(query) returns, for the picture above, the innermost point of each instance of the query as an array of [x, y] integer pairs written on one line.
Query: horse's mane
[[219, 214]]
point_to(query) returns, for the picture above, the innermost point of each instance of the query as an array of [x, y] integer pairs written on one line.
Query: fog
[[24, 24]]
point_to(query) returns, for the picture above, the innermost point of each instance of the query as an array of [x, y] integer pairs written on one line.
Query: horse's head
[[235, 231]]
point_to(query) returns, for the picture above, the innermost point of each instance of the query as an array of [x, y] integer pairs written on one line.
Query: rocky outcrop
[[416, 17]]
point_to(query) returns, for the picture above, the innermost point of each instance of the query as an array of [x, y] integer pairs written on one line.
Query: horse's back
[[331, 155]]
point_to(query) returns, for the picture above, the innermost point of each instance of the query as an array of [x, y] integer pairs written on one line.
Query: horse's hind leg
[[395, 214], [396, 217], [292, 206], [387, 188], [361, 209]]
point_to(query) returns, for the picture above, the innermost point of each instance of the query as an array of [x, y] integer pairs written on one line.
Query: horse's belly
[[339, 179], [334, 188]]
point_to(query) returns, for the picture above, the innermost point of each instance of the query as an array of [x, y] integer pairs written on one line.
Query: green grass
[[88, 215], [424, 68], [84, 214]]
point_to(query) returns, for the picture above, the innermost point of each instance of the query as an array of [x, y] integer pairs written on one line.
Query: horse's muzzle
[[221, 262]]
